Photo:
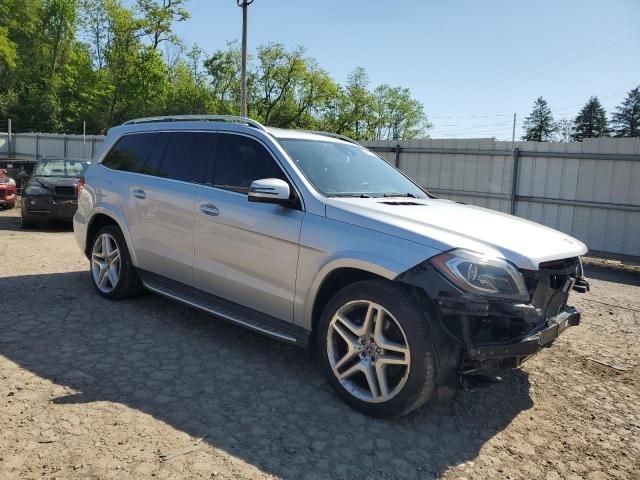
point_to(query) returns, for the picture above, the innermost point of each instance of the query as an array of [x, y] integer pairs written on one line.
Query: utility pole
[[243, 74], [513, 134]]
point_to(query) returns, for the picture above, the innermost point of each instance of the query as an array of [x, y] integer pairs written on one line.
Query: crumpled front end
[[490, 332]]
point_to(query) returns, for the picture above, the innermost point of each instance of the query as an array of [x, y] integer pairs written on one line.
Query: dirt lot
[[97, 389]]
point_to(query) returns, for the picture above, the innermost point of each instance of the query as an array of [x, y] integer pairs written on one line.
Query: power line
[[556, 57]]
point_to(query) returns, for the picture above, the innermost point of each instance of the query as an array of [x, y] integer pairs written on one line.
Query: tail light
[[80, 185]]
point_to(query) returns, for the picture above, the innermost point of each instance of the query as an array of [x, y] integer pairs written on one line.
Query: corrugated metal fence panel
[[4, 143], [486, 180], [48, 144]]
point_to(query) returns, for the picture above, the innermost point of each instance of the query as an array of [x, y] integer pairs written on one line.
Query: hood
[[53, 182], [444, 225]]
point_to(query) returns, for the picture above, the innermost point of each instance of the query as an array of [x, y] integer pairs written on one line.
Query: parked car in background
[[52, 191], [310, 238], [8, 193]]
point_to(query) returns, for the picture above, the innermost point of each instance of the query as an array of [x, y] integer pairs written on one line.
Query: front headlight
[[476, 273], [35, 190]]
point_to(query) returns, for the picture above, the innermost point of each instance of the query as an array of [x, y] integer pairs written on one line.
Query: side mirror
[[270, 190]]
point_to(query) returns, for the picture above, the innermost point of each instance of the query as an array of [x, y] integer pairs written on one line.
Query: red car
[[7, 191]]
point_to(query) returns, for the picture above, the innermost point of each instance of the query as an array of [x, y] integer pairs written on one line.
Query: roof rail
[[198, 118], [332, 135]]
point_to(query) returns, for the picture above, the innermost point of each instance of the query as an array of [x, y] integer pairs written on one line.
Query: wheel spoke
[[350, 355], [372, 317], [103, 276], [352, 327], [114, 258], [390, 346], [381, 374], [113, 276], [372, 381], [352, 370], [387, 359], [104, 240]]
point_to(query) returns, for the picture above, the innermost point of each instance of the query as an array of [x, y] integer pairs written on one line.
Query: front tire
[[26, 221], [112, 272], [376, 350]]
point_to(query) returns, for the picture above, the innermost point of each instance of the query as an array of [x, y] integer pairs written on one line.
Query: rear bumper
[[530, 344]]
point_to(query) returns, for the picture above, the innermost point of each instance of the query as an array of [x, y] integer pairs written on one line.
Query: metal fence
[[36, 145], [590, 190]]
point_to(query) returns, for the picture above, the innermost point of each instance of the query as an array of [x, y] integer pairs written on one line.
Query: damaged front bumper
[[529, 345], [485, 333]]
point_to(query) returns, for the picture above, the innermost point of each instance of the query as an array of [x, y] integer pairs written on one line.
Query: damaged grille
[[549, 286]]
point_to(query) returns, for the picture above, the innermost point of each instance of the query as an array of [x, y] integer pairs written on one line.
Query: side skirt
[[230, 311]]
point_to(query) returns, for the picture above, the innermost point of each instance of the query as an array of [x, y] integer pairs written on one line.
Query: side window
[[241, 160], [130, 152], [185, 157]]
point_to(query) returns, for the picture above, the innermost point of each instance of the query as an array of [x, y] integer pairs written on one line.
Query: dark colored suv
[[52, 192]]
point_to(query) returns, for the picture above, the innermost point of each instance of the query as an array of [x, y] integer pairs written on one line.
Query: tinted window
[[240, 161], [186, 156], [130, 152]]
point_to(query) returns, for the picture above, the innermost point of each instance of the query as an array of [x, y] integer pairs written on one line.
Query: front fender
[[327, 245]]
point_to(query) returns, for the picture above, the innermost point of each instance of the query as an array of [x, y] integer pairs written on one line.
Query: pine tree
[[626, 121], [591, 121], [539, 125]]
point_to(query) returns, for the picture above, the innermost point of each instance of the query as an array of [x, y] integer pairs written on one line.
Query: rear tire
[[113, 274], [376, 350]]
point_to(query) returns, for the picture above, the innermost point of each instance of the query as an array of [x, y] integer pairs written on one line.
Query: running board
[[230, 311]]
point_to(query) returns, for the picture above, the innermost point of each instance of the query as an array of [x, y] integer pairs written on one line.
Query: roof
[[308, 135]]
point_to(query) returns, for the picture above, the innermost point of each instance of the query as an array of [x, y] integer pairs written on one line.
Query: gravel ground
[[147, 388]]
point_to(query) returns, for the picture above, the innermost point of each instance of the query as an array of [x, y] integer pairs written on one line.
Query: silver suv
[[310, 238]]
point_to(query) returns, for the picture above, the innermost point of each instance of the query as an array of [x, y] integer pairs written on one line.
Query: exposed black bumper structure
[[530, 344], [476, 333]]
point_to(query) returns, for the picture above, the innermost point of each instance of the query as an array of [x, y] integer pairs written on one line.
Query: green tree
[[159, 17], [94, 24], [591, 121], [185, 94], [223, 69], [625, 122], [137, 74], [539, 125], [396, 114]]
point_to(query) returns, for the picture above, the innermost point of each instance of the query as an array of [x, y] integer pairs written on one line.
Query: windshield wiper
[[349, 195], [410, 195]]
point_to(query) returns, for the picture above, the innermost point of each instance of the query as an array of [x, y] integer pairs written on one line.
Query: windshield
[[341, 170], [60, 168]]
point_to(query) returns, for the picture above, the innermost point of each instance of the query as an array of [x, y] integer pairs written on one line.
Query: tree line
[[591, 121], [65, 62]]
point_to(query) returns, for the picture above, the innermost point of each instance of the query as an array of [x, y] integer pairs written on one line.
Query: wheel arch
[[99, 219], [338, 274]]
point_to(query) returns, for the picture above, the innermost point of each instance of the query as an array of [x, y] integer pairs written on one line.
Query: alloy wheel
[[368, 351], [105, 263]]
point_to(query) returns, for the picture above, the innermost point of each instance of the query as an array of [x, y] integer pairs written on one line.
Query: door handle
[[209, 209], [139, 193]]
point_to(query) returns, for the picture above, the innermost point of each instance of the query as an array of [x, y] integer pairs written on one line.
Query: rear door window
[[186, 157], [130, 152], [240, 160]]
